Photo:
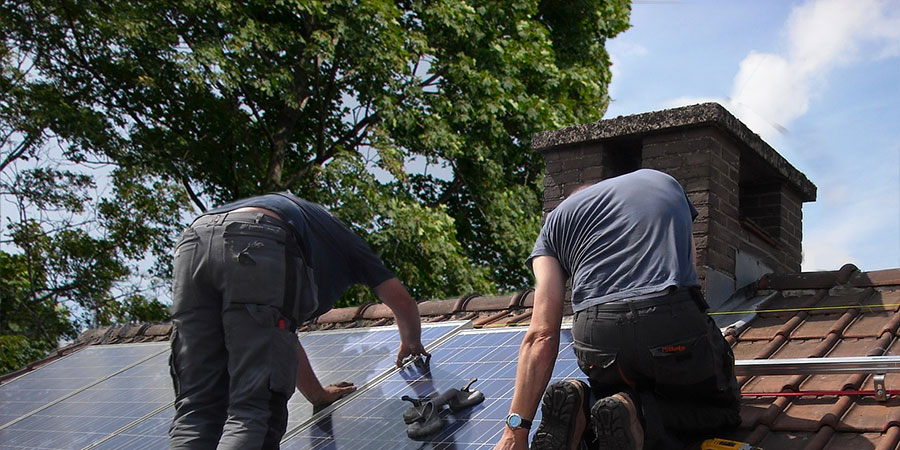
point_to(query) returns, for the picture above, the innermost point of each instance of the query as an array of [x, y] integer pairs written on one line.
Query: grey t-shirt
[[335, 257], [622, 238]]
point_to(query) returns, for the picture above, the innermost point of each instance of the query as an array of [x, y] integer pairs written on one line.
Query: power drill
[[725, 444]]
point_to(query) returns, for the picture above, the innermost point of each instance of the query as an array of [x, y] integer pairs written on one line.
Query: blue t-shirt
[[335, 258], [624, 237]]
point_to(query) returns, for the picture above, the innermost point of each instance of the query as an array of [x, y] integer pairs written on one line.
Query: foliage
[[16, 351], [335, 100]]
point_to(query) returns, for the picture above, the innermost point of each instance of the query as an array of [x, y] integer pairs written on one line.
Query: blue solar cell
[[60, 378], [359, 356], [90, 415], [374, 418]]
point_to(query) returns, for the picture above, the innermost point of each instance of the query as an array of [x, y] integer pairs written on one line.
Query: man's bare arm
[[537, 354], [308, 383], [406, 313]]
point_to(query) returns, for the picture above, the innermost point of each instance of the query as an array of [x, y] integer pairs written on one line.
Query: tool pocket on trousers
[[684, 362], [280, 350], [254, 270], [283, 356], [597, 364], [176, 384], [183, 269]]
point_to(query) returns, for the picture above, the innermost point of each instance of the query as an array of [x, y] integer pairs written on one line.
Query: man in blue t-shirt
[[246, 275], [657, 364]]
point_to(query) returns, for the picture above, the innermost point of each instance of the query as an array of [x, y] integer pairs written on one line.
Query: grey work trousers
[[679, 368], [234, 353]]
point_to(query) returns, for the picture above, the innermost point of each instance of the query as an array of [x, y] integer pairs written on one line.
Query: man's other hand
[[410, 350], [332, 393]]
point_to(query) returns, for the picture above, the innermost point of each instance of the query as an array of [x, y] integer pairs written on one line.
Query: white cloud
[[845, 225], [771, 90], [621, 52]]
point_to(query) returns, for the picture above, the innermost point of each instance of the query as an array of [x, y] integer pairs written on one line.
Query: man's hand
[[410, 350], [331, 393], [513, 440]]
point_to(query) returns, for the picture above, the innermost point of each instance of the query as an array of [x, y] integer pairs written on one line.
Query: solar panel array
[[67, 375], [358, 356], [374, 418], [86, 396], [132, 409], [120, 396]]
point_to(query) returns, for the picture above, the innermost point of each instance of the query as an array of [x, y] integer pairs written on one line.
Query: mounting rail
[[876, 365]]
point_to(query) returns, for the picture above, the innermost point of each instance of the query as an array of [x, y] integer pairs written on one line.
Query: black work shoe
[[616, 423], [559, 409]]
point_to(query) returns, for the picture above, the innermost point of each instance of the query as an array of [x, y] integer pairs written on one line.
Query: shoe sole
[[559, 409], [611, 419]]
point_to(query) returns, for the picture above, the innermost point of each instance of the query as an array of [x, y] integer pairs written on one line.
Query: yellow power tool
[[725, 444]]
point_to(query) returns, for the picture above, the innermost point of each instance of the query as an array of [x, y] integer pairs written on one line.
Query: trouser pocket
[[254, 265], [174, 350], [262, 356], [184, 295], [683, 362]]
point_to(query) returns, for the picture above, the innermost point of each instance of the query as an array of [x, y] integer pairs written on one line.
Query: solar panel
[[95, 412], [373, 419], [65, 376], [357, 355]]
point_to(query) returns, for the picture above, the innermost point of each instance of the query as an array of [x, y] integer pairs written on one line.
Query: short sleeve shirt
[[336, 256], [624, 237]]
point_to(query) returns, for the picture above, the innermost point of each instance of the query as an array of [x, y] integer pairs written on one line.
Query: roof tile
[[755, 411], [870, 415], [806, 280], [890, 439], [806, 414], [870, 324], [492, 303], [889, 277], [437, 307], [787, 440], [818, 325]]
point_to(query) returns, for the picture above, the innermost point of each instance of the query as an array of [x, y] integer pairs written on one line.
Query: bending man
[[658, 365], [246, 275]]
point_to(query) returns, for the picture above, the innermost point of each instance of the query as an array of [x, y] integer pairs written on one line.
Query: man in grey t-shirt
[[656, 362]]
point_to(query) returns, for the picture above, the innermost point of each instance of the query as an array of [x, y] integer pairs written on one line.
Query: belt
[[675, 296], [258, 217]]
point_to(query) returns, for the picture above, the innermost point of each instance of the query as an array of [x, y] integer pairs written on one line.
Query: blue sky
[[819, 80]]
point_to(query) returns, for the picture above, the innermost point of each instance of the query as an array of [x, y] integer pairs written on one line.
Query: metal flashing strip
[[808, 366]]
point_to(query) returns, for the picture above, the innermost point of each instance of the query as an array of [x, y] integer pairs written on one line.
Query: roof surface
[[805, 315]]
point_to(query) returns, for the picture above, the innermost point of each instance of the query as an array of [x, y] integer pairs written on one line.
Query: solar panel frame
[[373, 420]]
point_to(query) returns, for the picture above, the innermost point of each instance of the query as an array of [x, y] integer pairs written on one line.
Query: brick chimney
[[749, 197]]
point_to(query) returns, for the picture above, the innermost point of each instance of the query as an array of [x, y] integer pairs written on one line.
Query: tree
[[67, 255], [333, 100]]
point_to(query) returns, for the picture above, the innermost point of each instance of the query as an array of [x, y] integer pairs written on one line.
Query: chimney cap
[[700, 115]]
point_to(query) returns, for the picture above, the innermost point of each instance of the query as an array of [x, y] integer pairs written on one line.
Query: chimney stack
[[749, 197]]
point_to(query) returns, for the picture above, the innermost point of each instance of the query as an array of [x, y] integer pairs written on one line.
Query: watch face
[[514, 421]]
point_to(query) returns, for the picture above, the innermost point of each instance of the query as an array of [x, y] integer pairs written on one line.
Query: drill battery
[[725, 444]]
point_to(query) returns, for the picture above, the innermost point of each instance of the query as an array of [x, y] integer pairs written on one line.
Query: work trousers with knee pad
[[234, 350], [670, 355]]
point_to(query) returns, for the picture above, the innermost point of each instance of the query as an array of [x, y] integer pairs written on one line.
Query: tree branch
[[187, 186], [19, 151]]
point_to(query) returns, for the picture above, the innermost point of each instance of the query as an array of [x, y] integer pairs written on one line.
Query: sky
[[818, 80]]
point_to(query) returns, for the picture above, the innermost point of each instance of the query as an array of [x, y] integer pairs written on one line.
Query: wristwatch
[[514, 421]]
